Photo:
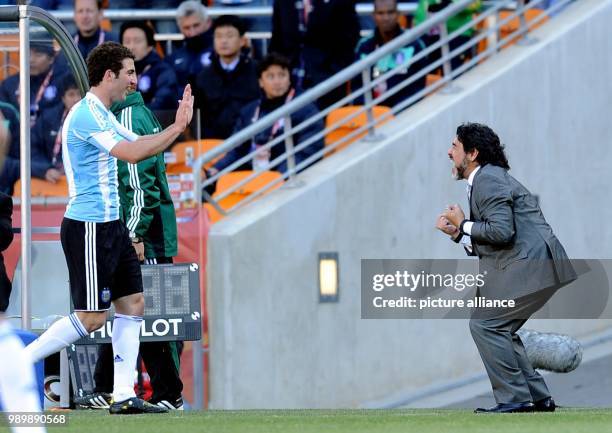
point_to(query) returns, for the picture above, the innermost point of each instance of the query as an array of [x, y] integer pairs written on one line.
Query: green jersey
[[146, 205], [454, 22]]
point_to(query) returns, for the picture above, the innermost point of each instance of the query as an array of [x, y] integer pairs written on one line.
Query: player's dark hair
[[109, 55], [481, 137]]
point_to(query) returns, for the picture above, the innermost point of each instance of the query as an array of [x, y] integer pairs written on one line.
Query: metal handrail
[[363, 67]]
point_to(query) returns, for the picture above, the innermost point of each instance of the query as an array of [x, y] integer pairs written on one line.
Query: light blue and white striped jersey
[[89, 133]]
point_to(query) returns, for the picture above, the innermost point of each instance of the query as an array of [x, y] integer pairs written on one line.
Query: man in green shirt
[[148, 212], [427, 8]]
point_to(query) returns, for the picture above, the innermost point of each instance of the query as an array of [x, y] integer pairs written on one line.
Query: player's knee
[[137, 304], [92, 321]]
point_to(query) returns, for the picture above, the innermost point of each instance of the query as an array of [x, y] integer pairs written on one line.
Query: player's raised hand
[[185, 109]]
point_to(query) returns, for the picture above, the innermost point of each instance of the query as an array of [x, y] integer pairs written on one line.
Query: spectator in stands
[[274, 73], [156, 79], [46, 136], [229, 82], [386, 18], [196, 26], [319, 37], [44, 80], [426, 8], [88, 17]]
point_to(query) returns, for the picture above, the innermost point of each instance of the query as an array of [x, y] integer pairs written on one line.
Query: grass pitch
[[339, 421]]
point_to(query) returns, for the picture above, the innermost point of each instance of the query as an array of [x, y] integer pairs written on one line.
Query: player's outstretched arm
[[149, 145]]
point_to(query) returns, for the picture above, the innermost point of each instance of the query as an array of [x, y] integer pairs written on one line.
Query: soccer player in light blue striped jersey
[[102, 264]]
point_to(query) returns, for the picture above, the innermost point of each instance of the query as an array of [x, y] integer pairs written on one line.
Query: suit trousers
[[513, 378]]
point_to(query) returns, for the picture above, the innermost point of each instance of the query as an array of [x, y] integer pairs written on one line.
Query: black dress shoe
[[508, 408], [545, 405]]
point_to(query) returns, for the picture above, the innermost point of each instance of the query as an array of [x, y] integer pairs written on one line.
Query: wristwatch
[[135, 239]]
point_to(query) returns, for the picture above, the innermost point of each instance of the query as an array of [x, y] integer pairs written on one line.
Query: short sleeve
[[104, 131]]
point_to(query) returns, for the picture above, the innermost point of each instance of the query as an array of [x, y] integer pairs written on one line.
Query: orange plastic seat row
[[512, 26], [180, 157], [347, 127], [228, 180], [42, 188], [9, 55]]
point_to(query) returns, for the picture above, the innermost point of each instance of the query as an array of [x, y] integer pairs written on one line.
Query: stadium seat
[[42, 188], [345, 128], [180, 157], [9, 50], [514, 24], [227, 181]]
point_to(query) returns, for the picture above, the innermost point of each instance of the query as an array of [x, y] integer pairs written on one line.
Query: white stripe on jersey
[[91, 270], [134, 180], [66, 160]]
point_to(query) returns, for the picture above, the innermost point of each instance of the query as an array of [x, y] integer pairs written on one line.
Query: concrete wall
[[274, 346]]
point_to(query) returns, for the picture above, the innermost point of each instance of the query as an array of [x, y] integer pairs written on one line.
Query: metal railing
[[491, 32]]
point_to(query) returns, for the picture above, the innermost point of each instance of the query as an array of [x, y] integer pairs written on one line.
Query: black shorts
[[102, 263]]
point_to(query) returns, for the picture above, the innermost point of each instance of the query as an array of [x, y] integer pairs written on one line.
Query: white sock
[[126, 341], [65, 331], [18, 389]]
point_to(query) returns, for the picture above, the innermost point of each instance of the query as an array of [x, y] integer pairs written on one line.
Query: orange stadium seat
[[227, 181], [42, 188], [513, 25], [181, 155], [9, 52], [345, 128]]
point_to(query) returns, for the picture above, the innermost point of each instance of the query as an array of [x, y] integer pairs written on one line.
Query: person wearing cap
[[44, 79], [156, 79], [195, 53]]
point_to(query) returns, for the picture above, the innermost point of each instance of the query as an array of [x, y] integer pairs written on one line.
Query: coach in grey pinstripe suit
[[522, 258]]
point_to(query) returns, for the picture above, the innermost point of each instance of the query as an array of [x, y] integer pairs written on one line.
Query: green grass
[[340, 421]]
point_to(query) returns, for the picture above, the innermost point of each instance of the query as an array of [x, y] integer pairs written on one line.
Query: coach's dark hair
[[481, 137], [273, 59], [108, 55]]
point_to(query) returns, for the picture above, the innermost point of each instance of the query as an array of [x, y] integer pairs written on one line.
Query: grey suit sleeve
[[493, 198]]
